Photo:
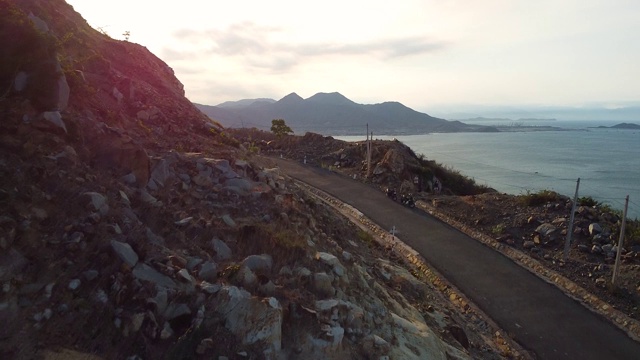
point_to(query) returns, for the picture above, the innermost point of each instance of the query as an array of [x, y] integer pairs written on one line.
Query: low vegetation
[[539, 198]]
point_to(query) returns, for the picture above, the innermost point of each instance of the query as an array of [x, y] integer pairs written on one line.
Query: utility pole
[[567, 243], [616, 267], [368, 153]]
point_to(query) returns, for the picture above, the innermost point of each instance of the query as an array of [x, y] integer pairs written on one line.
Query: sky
[[426, 54]]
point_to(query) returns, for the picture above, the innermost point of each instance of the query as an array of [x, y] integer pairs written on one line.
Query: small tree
[[279, 128]]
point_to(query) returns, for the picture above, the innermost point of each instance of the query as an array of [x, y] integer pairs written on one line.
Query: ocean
[[607, 161]]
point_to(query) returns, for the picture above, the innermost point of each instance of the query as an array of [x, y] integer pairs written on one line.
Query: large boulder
[[111, 150], [255, 321]]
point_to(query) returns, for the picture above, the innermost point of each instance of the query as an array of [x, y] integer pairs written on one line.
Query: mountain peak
[[290, 99], [334, 98]]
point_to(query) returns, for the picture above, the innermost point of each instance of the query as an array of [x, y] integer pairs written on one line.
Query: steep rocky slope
[[132, 227]]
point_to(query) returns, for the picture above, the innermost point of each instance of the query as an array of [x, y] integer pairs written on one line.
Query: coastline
[[518, 163]]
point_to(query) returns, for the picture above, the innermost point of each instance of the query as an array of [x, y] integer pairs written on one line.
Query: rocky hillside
[[132, 227]]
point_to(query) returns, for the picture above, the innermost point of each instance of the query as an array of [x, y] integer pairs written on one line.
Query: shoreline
[[498, 169]]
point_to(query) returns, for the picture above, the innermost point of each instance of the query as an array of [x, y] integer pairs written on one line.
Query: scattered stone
[[184, 221], [143, 271], [205, 345], [176, 310], [583, 248], [594, 228], [208, 271], [167, 331], [222, 251], [125, 252], [528, 245], [259, 263], [210, 288], [322, 285], [90, 275], [250, 319], [546, 230], [98, 202], [184, 274], [74, 284]]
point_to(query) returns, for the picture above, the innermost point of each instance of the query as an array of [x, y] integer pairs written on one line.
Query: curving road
[[537, 314]]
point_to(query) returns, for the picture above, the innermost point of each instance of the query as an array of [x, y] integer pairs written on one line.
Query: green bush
[[588, 201], [539, 198]]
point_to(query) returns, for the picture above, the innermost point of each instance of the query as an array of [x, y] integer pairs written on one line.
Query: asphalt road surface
[[538, 315]]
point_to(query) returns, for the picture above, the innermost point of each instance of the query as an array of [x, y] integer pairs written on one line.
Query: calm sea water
[[607, 161]]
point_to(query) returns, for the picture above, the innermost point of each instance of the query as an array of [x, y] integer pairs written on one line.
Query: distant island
[[487, 119], [626, 126]]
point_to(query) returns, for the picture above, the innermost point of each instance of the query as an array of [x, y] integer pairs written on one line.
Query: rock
[[528, 245], [267, 288], [244, 185], [374, 346], [125, 253], [246, 277], [583, 248], [229, 221], [210, 288], [176, 310], [607, 248], [253, 321], [203, 179], [322, 285], [159, 301], [159, 175], [205, 345], [166, 332], [208, 271], [153, 238], [11, 262], [347, 256], [184, 221], [55, 118], [184, 275], [90, 275], [193, 262], [332, 261], [222, 251], [258, 263], [546, 230], [74, 284], [596, 249], [144, 272], [97, 202], [415, 332], [136, 322], [594, 228]]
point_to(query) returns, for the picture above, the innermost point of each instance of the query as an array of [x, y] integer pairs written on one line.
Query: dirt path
[[536, 314]]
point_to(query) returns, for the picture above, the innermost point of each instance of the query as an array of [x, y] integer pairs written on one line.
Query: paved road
[[538, 315]]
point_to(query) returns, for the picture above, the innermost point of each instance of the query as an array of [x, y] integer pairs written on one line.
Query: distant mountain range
[[626, 126], [625, 112], [333, 114]]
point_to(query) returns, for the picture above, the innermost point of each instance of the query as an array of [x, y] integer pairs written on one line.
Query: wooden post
[[567, 243], [616, 267]]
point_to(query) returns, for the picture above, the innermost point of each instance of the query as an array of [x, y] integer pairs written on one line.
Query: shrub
[[365, 236], [588, 201], [539, 198]]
